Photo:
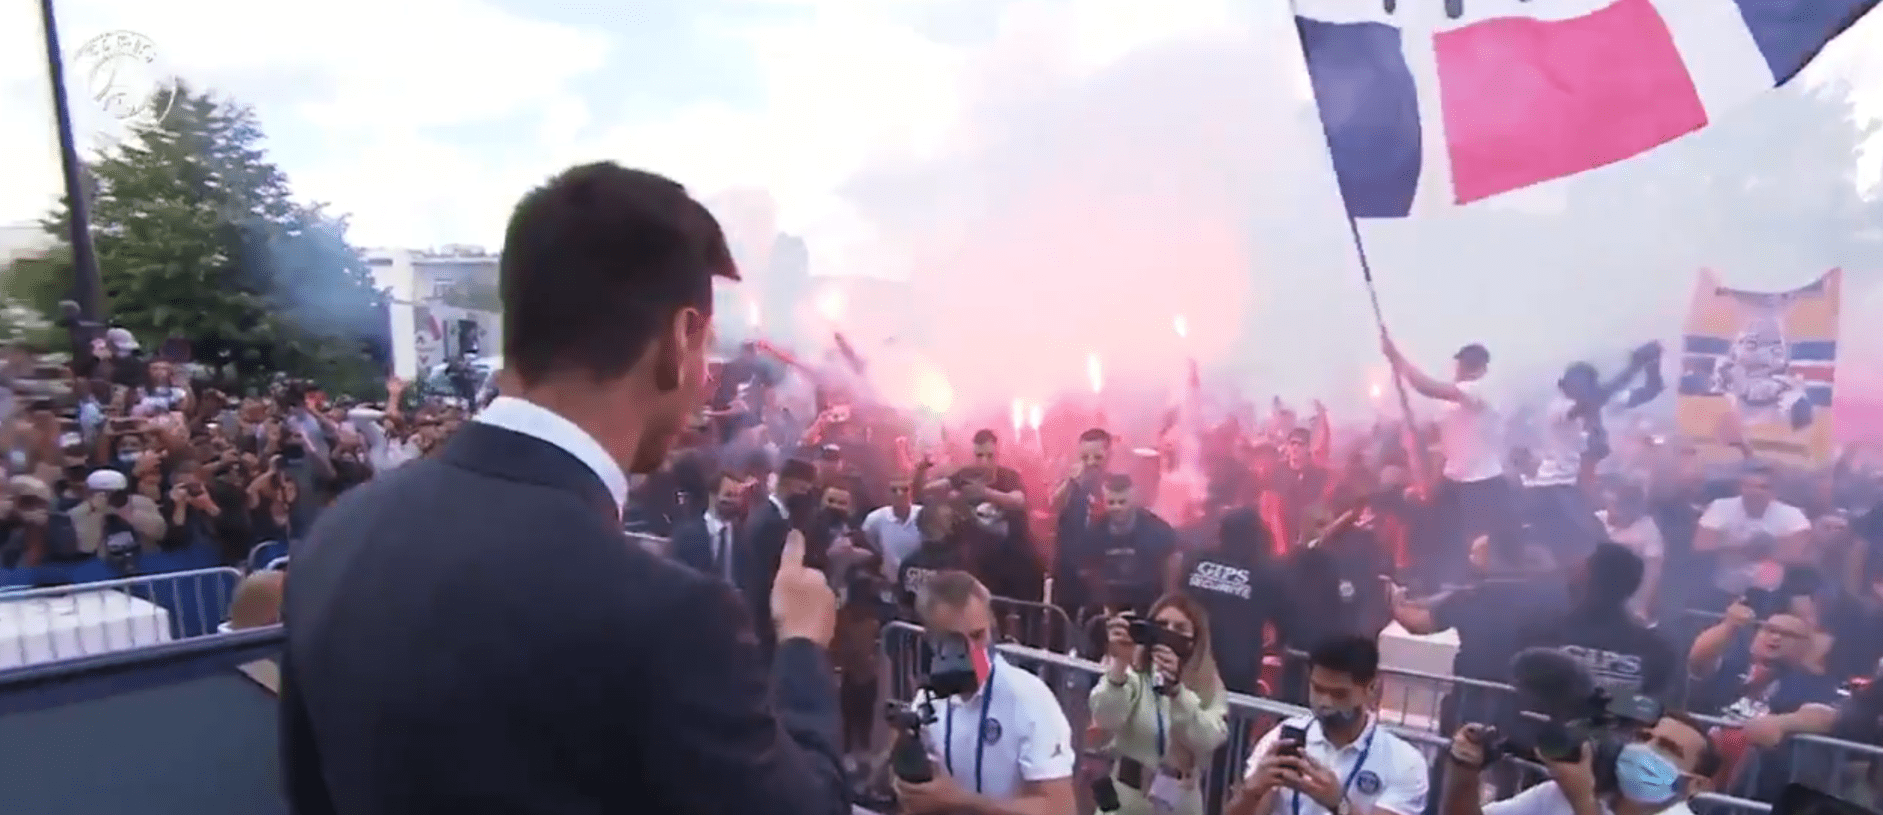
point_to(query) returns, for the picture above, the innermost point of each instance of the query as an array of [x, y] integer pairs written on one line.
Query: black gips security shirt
[[1622, 655], [915, 570], [1128, 566], [1240, 596], [1492, 617], [1336, 589]]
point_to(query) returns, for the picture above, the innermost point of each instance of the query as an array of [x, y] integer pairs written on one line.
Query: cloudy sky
[[1073, 154]]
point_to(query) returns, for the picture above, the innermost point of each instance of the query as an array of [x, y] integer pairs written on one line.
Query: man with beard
[[1127, 551], [1302, 481], [578, 672]]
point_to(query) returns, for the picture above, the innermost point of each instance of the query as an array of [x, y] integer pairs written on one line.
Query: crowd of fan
[[137, 461], [1747, 593]]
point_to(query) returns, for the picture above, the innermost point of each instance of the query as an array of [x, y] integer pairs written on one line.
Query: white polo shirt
[[1547, 799], [896, 537], [1026, 737], [1392, 777]]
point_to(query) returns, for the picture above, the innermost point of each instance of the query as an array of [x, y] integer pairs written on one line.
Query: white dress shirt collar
[[531, 419]]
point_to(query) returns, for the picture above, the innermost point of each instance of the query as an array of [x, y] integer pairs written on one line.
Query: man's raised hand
[[802, 602]]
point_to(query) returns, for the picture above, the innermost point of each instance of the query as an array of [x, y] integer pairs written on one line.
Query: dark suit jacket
[[761, 546], [472, 634], [695, 548]]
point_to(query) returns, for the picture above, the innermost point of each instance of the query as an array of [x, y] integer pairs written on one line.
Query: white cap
[[121, 338], [106, 481]]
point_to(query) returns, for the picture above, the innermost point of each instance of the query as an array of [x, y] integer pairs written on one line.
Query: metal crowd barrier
[[1846, 769], [58, 623], [1035, 624], [1072, 678]]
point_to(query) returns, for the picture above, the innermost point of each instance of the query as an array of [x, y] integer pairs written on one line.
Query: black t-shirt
[[1127, 567], [1241, 596], [915, 570], [1491, 618], [1622, 655]]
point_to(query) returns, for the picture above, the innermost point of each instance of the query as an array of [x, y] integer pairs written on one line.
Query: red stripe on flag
[[1813, 373], [1529, 100]]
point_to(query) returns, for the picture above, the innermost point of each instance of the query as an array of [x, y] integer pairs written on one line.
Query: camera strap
[[980, 730], [1359, 765]]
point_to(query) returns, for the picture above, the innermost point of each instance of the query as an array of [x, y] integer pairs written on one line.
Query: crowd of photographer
[[126, 462]]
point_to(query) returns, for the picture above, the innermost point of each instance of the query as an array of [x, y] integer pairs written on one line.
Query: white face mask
[[36, 517]]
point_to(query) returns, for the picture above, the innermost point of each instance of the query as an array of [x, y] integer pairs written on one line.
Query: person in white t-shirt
[[1628, 523], [1753, 535], [1004, 747], [891, 528], [1474, 498]]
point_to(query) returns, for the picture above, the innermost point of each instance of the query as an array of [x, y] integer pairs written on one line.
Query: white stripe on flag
[[1725, 63], [1349, 11], [1477, 11]]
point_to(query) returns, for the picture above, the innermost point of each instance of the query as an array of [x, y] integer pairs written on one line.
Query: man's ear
[[1692, 785]]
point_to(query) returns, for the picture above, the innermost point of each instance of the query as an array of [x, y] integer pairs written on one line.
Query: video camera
[[1564, 710], [950, 673]]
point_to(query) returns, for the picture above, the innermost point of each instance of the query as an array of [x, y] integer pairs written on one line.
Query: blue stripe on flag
[[1791, 32], [1369, 110], [1801, 351]]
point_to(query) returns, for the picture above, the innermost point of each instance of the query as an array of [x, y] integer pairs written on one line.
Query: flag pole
[[1415, 454], [86, 286]]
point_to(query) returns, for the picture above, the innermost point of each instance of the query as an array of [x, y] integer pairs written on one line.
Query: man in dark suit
[[472, 633], [789, 506], [710, 542]]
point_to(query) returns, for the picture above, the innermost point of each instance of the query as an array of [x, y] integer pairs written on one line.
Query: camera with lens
[[1566, 712], [950, 673]]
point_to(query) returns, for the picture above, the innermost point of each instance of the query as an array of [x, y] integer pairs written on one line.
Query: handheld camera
[[950, 673], [1564, 711]]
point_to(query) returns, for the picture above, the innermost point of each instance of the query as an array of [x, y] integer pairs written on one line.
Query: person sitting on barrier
[[1004, 749], [1338, 761], [1657, 775], [1163, 706]]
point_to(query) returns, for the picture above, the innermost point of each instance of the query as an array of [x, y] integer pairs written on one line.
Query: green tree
[[475, 296], [199, 237]]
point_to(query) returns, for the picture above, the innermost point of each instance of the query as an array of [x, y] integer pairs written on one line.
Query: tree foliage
[[199, 237]]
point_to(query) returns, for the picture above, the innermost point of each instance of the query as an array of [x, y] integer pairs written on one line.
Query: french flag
[[1511, 93]]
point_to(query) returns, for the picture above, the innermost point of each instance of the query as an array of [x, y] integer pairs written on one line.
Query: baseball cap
[[1473, 353], [121, 338], [106, 481]]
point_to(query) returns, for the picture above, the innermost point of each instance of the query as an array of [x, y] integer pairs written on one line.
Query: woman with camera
[[1163, 706]]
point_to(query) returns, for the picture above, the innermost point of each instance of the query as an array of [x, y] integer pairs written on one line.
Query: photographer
[[1003, 747], [113, 522], [1340, 761], [1660, 773], [1163, 705]]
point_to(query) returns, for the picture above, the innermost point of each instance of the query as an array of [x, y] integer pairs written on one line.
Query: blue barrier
[[265, 553]]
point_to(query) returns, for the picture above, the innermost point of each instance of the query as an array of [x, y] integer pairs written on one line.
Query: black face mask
[[292, 452], [800, 506], [834, 516]]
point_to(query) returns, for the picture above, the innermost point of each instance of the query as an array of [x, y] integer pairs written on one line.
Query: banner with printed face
[[1758, 370]]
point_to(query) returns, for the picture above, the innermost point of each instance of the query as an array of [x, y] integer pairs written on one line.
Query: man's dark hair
[[1353, 655], [1117, 482], [797, 469], [985, 436], [1097, 434], [1615, 573], [720, 478], [595, 264], [1710, 760]]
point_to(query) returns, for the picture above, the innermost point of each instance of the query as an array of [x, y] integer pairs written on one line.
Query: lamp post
[[82, 313]]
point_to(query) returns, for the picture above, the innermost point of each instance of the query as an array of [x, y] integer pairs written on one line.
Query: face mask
[[128, 457], [98, 501], [36, 517], [17, 459], [1336, 717], [1645, 776]]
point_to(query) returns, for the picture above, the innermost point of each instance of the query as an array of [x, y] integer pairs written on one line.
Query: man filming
[[1656, 775], [1340, 761], [1003, 748]]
